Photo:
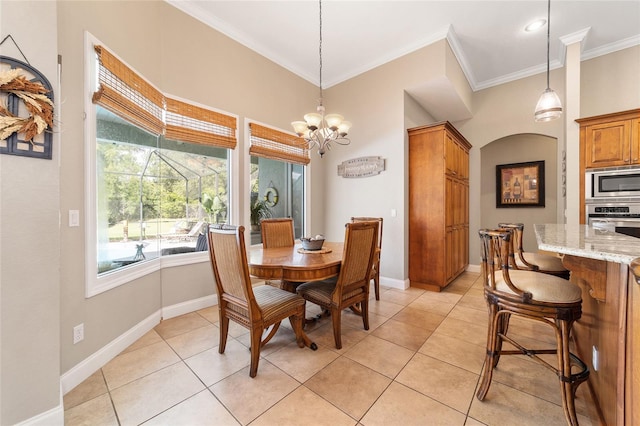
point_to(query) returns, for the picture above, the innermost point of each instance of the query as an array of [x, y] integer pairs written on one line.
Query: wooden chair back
[[375, 270], [228, 256], [277, 232], [360, 244]]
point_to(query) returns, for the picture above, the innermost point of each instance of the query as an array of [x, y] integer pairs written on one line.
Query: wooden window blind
[[125, 93], [276, 145], [190, 123]]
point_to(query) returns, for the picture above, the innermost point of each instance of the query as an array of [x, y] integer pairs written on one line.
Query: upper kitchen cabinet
[[610, 140]]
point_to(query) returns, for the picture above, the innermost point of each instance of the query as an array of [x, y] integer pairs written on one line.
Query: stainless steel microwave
[[603, 184]]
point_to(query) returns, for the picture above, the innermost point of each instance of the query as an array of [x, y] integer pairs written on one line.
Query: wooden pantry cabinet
[[438, 205]]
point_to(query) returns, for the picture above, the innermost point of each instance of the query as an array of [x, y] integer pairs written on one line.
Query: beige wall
[[518, 149], [29, 240], [182, 57]]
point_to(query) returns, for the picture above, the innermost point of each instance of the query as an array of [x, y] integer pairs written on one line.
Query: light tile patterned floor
[[418, 364]]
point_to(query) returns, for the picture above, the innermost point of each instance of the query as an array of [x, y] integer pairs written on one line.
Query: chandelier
[[549, 106], [320, 130]]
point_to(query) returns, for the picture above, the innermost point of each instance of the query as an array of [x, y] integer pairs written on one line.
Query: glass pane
[[126, 200], [195, 191], [277, 190], [154, 196]]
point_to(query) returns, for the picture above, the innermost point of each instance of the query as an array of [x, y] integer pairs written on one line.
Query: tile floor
[[418, 364]]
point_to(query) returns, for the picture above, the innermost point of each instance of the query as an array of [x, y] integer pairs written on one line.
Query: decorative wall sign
[[26, 110], [520, 184], [361, 167]]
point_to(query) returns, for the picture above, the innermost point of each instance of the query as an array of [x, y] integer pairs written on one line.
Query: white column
[[571, 153]]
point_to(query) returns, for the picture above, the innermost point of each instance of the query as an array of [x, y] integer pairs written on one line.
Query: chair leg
[[364, 308], [492, 344], [501, 330], [224, 331], [568, 384], [376, 284], [256, 336], [336, 317]]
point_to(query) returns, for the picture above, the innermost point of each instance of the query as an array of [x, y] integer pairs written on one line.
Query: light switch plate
[[74, 218]]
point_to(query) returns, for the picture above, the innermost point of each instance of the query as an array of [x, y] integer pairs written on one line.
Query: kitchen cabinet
[[438, 205], [609, 140]]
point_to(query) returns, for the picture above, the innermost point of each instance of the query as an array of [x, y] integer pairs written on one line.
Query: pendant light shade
[[549, 106]]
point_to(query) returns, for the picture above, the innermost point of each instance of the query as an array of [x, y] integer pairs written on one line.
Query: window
[[158, 172], [278, 162]]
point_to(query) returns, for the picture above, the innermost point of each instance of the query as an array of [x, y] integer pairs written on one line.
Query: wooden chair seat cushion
[[274, 303], [543, 287], [544, 261], [319, 292]]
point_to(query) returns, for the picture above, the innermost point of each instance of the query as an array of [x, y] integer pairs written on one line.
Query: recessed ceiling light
[[535, 25]]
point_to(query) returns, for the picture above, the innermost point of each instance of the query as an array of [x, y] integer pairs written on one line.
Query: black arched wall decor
[[13, 106]]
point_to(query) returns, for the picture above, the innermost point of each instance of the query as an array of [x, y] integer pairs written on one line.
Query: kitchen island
[[607, 336]]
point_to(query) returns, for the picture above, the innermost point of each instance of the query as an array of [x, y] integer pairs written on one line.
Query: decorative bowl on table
[[313, 243]]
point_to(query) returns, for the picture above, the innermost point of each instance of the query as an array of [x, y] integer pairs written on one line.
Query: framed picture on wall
[[520, 184]]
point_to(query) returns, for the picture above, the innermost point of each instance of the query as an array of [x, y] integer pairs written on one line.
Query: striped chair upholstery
[[257, 309], [277, 232], [351, 287], [375, 270]]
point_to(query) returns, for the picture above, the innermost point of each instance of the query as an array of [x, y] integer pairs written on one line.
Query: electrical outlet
[[78, 333]]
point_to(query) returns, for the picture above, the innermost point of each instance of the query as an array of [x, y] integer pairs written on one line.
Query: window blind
[[276, 145], [191, 123], [125, 93]]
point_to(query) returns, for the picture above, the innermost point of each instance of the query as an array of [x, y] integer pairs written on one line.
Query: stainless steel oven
[[612, 183], [623, 218]]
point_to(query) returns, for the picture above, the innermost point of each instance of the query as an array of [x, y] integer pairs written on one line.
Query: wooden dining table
[[293, 265]]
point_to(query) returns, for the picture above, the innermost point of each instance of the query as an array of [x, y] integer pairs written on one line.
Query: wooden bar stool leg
[[490, 359]]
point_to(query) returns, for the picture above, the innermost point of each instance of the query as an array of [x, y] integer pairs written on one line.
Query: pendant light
[[549, 106]]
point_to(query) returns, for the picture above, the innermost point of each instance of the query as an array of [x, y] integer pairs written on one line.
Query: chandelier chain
[[320, 51], [548, 38]]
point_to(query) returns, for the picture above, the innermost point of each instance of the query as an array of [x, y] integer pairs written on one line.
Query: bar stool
[[539, 262], [539, 297]]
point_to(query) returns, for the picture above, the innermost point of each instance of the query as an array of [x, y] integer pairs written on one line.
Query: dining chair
[[539, 262], [277, 232], [351, 287], [256, 308], [375, 270], [530, 295]]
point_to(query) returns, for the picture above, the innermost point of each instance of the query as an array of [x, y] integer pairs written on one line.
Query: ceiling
[[487, 37]]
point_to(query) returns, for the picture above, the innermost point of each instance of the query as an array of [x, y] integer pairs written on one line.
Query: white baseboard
[[93, 363], [53, 417], [98, 359], [474, 268], [393, 283], [189, 306]]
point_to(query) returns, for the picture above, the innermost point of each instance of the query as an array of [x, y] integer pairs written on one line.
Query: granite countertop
[[585, 241]]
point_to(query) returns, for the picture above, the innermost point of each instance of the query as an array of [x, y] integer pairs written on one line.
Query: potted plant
[[259, 210]]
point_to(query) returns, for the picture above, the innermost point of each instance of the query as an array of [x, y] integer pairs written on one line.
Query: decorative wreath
[[33, 94], [271, 197]]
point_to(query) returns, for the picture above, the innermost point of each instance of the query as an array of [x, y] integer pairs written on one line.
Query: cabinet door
[[608, 144], [635, 141], [451, 155]]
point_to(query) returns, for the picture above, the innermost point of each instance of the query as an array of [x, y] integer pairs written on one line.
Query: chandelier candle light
[[549, 106], [320, 130]]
